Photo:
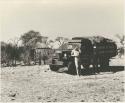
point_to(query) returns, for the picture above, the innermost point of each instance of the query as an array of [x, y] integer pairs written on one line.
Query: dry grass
[[38, 84]]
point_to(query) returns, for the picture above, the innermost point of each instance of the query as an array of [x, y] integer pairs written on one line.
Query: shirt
[[75, 53]]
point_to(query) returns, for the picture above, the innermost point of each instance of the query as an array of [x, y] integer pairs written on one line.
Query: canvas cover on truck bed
[[93, 39]]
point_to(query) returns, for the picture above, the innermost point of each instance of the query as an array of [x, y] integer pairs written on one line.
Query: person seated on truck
[[76, 53]]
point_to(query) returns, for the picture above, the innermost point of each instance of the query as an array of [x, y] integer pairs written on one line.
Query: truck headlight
[[65, 55]]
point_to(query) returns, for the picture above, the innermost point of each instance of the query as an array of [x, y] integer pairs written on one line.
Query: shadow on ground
[[93, 71], [116, 68]]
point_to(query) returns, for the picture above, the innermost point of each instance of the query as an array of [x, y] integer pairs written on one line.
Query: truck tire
[[104, 64], [71, 67], [86, 66], [54, 67], [96, 69]]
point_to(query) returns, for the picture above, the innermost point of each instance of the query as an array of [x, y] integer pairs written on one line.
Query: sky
[[66, 18]]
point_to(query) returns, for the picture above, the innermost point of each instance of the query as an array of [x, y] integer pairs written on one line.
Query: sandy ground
[[39, 84]]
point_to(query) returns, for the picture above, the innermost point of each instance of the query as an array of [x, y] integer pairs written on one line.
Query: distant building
[[42, 53]]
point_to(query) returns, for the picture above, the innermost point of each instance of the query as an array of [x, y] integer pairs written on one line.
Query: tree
[[10, 52], [61, 40], [122, 41], [3, 53], [30, 38], [30, 41], [15, 50], [50, 43]]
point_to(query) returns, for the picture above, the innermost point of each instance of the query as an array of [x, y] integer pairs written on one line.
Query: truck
[[96, 51]]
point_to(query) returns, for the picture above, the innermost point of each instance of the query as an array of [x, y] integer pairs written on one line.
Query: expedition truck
[[95, 51]]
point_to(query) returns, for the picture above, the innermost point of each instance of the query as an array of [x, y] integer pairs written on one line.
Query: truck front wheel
[[104, 64], [54, 67], [86, 66]]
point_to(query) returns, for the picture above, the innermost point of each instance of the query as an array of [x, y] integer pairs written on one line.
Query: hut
[[42, 52]]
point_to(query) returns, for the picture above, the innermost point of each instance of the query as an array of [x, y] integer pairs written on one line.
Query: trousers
[[77, 65]]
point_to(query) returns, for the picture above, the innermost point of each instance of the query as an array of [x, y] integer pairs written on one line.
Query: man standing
[[75, 53]]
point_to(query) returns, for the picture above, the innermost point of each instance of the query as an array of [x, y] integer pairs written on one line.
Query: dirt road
[[38, 84]]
